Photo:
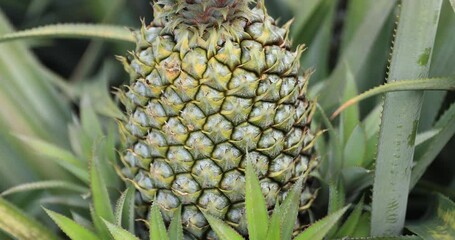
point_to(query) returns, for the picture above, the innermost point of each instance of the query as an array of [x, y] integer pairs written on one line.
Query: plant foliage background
[[57, 109]]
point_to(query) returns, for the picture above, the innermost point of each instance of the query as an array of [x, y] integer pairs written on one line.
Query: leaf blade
[[73, 30]]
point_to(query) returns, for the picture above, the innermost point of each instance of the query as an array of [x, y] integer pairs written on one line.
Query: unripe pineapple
[[213, 80]]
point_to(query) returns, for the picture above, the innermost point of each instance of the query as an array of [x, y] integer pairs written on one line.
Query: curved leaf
[[73, 30], [119, 233], [71, 228], [441, 83], [41, 185], [21, 226], [318, 230], [224, 231]]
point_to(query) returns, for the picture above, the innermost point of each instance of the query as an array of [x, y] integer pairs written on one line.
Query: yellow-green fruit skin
[[198, 101]]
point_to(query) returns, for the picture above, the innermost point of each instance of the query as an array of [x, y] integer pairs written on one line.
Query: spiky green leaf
[[256, 210], [175, 228], [411, 59], [124, 209], [43, 185], [289, 209], [73, 30], [157, 227], [349, 226], [224, 231], [274, 229], [119, 233], [73, 230], [318, 230]]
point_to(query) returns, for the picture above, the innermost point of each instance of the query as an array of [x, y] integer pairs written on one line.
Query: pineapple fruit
[[214, 84]]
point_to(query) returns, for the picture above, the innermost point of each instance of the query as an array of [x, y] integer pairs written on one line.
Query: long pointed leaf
[[175, 228], [51, 184], [73, 30], [71, 228], [290, 209], [410, 59], [256, 210], [427, 152], [157, 227], [318, 230], [21, 226], [119, 233], [441, 83], [224, 231]]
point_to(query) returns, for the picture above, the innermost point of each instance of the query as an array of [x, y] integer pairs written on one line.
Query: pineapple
[[214, 84]]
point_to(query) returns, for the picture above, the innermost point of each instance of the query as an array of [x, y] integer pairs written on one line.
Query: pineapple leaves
[[349, 226], [411, 59], [157, 227], [439, 223], [102, 208], [124, 209], [21, 226], [224, 231], [73, 230], [427, 151], [61, 156], [441, 83], [175, 228], [67, 30], [119, 233], [50, 184], [256, 211], [318, 230]]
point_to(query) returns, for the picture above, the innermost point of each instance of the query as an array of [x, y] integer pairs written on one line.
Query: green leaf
[[355, 148], [427, 152], [71, 228], [357, 52], [411, 59], [41, 185], [222, 230], [175, 228], [363, 227], [453, 4], [274, 229], [349, 119], [119, 233], [61, 156], [349, 226], [124, 209], [21, 226], [73, 30], [256, 210], [386, 238], [337, 196], [101, 203], [290, 209], [318, 230], [439, 222], [157, 227], [440, 83]]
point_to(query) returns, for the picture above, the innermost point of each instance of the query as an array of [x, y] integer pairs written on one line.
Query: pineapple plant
[[210, 75], [212, 82]]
